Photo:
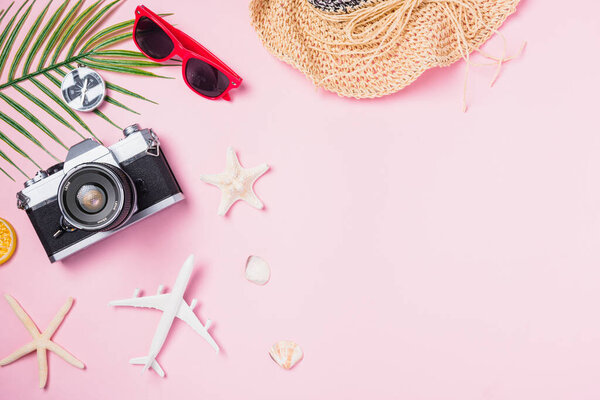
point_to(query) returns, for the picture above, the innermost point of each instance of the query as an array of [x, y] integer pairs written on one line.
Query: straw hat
[[371, 48]]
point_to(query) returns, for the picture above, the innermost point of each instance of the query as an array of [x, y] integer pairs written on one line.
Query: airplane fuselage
[[170, 312]]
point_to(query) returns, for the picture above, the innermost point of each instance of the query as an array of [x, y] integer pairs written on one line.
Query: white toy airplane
[[172, 305]]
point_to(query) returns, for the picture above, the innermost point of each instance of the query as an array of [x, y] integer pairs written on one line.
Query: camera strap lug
[[22, 201], [153, 145]]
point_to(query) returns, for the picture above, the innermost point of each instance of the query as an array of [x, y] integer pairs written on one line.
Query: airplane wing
[[187, 315], [158, 301]]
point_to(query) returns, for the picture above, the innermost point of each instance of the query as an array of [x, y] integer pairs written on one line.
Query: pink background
[[417, 252]]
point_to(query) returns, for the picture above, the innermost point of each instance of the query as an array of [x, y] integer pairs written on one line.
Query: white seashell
[[286, 353], [257, 270]]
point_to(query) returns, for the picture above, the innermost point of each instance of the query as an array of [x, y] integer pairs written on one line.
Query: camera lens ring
[[114, 184]]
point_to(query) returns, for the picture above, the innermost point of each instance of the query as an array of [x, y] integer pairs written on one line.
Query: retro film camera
[[97, 191]]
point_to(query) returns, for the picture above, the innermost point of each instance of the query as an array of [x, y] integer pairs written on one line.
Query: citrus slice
[[8, 241]]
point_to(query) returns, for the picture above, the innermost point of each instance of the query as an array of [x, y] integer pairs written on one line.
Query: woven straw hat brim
[[289, 30]]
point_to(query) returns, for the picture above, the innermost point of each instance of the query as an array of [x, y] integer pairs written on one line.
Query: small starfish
[[236, 183], [41, 341]]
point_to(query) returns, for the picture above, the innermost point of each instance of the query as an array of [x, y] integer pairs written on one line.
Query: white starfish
[[236, 183], [41, 341]]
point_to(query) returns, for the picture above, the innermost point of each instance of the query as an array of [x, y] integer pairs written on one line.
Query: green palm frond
[[60, 37]]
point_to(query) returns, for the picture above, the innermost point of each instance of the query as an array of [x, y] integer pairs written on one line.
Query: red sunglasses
[[202, 71]]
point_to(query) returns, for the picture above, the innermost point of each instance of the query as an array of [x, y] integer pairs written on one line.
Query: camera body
[[98, 191]]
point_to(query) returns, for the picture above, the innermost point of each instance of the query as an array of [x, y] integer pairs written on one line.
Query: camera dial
[[96, 196], [131, 129], [36, 178]]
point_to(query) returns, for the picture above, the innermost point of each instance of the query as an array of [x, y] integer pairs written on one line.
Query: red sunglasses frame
[[186, 48]]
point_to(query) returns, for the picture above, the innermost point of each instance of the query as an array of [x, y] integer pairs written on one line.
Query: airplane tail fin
[[148, 362]]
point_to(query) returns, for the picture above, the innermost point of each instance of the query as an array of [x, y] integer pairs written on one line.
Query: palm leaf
[[128, 63], [58, 32], [71, 28], [106, 32], [112, 40], [104, 117], [13, 36], [47, 109], [62, 104], [87, 27], [24, 112], [122, 90], [19, 128], [43, 34], [16, 148], [119, 104], [60, 35], [120, 53], [7, 174], [21, 52], [8, 160], [106, 66], [8, 26], [4, 12]]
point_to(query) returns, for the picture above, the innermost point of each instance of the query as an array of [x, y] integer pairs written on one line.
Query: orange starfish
[[41, 341]]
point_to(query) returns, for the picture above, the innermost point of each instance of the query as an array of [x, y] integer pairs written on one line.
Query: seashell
[[257, 270], [286, 353]]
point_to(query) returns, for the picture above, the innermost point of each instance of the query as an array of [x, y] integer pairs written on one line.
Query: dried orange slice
[[8, 240]]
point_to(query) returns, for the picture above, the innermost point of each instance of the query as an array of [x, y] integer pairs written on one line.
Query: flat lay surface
[[415, 251]]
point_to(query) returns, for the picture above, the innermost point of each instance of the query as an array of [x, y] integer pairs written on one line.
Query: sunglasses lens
[[205, 78], [152, 39]]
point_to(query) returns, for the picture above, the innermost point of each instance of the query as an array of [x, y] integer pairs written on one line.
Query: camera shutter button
[[36, 178]]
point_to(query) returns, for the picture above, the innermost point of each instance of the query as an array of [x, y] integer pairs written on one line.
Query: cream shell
[[257, 270]]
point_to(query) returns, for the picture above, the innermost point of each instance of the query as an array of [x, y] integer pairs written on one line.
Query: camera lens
[[96, 196], [91, 198]]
